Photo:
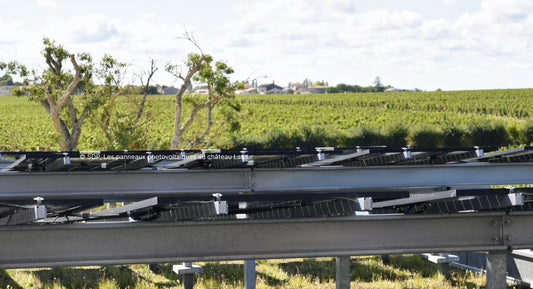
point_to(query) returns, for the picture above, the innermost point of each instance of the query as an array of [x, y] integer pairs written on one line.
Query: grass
[[402, 272]]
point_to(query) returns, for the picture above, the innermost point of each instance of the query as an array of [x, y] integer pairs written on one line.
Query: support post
[[188, 279], [444, 270], [343, 272], [497, 270], [443, 262], [385, 258], [187, 270], [249, 274]]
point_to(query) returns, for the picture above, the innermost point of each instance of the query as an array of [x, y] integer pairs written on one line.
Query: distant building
[[5, 89], [250, 90], [392, 89], [296, 86], [167, 90], [269, 89], [315, 89]]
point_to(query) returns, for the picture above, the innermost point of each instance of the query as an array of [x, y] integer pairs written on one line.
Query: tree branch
[[153, 69], [73, 84]]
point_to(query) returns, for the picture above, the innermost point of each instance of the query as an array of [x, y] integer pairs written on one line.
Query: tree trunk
[[178, 129]]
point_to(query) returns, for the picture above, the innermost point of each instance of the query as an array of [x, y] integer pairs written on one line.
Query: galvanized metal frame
[[145, 184], [126, 243]]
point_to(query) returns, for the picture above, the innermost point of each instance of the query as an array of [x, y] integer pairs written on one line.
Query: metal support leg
[[187, 270], [497, 270], [249, 274], [343, 272], [385, 259], [188, 279], [444, 270]]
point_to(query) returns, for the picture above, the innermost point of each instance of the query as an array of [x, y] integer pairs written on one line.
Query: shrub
[[426, 137]]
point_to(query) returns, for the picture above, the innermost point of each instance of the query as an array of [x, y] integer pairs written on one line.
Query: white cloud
[[46, 3], [450, 2], [310, 36], [327, 40], [93, 29]]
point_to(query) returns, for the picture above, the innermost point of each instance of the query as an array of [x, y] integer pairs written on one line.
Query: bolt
[[507, 222], [494, 222], [495, 239], [508, 238]]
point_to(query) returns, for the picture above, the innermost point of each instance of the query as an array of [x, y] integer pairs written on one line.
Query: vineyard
[[427, 119]]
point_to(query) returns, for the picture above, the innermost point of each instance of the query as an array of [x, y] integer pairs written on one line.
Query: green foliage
[[426, 136], [341, 87], [68, 95], [6, 80], [440, 119], [333, 89], [152, 90], [404, 271], [379, 87]]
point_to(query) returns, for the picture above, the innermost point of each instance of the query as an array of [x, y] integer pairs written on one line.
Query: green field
[[427, 119], [404, 271]]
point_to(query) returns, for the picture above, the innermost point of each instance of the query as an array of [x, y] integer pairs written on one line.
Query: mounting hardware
[[150, 157], [244, 155], [221, 207], [66, 159], [320, 150], [39, 200], [479, 151], [407, 152]]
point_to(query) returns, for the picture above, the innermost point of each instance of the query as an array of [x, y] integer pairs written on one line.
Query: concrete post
[[497, 270], [343, 272], [249, 274]]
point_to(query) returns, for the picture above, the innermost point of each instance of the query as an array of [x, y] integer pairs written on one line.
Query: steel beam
[[118, 184], [417, 199], [127, 243], [390, 177], [236, 181]]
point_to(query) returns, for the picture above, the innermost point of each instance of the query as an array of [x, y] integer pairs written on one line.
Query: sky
[[425, 44]]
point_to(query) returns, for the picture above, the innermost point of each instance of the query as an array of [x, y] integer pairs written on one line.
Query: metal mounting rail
[[144, 184], [127, 243]]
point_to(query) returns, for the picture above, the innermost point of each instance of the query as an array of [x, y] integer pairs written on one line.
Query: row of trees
[[74, 88], [6, 80], [341, 87]]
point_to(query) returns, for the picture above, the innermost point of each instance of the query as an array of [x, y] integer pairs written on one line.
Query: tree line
[[342, 87]]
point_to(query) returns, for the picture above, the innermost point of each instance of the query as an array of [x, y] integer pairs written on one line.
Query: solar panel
[[316, 202]]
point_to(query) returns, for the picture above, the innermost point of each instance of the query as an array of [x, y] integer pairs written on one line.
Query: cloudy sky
[[427, 44]]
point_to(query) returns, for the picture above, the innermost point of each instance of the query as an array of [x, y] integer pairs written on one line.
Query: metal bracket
[[221, 207]]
